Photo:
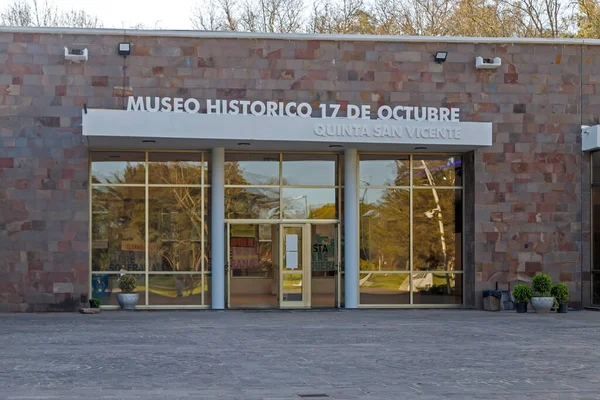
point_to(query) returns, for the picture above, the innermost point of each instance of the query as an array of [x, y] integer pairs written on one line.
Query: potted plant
[[522, 294], [542, 301], [94, 302], [560, 291], [127, 298]]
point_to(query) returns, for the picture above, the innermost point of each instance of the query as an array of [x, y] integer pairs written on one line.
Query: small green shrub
[[560, 292], [127, 283], [541, 284], [94, 302], [522, 293]]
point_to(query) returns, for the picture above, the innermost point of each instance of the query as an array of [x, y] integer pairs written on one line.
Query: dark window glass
[[437, 229], [437, 288]]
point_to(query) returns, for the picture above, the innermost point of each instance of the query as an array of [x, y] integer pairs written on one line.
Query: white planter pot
[[127, 301], [542, 304]]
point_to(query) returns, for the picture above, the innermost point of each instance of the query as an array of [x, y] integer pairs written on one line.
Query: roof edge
[[294, 36]]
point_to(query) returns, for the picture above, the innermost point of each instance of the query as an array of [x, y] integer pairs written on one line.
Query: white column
[[218, 228], [351, 228]]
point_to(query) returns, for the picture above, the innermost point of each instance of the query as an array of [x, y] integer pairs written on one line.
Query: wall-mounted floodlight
[[440, 56], [124, 49]]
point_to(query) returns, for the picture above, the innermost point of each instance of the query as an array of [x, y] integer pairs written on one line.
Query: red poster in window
[[244, 258]]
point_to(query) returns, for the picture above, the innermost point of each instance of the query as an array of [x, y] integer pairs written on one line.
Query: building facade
[[293, 171]]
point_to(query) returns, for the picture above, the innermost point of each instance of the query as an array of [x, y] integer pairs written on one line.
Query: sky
[[174, 14]]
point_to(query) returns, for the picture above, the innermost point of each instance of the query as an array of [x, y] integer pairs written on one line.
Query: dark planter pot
[[521, 307], [562, 308]]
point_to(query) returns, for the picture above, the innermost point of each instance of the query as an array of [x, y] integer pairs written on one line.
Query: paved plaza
[[366, 354]]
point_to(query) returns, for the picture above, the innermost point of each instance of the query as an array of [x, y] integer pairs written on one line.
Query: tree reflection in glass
[[118, 168], [437, 171], [385, 230], [118, 226], [175, 228], [175, 168]]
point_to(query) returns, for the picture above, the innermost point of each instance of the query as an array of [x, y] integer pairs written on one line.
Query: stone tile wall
[[528, 187]]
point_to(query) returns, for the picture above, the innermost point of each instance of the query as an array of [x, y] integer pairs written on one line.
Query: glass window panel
[[595, 288], [175, 168], [207, 236], [175, 228], [382, 288], [596, 167], [251, 169], [118, 226], [118, 167], [292, 287], [323, 247], [437, 171], [254, 271], [207, 290], [248, 203], [385, 230], [382, 170], [251, 251], [437, 229], [437, 288], [179, 289], [309, 169], [105, 287], [208, 168], [596, 228], [309, 203]]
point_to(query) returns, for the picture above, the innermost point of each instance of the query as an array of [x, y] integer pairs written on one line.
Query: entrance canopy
[[121, 129]]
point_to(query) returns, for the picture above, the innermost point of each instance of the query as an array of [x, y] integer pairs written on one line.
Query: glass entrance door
[[324, 268], [253, 272], [294, 290]]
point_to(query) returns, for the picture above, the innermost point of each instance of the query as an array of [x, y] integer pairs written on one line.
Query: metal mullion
[[388, 272], [415, 306], [410, 233], [281, 188], [462, 244], [202, 250], [118, 184], [253, 221], [118, 272], [174, 272], [251, 186], [437, 187], [168, 307], [167, 185], [310, 186], [146, 239], [90, 228], [146, 151], [280, 152], [385, 187], [410, 154], [311, 221]]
